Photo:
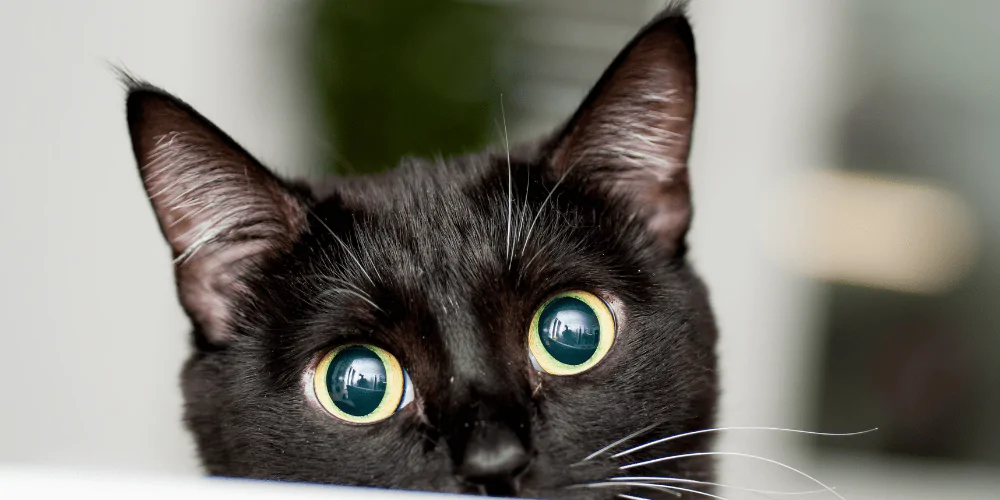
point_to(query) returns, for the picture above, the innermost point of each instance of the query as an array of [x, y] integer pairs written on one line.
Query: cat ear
[[220, 210], [631, 136]]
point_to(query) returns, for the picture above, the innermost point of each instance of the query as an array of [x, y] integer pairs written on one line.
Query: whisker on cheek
[[733, 454], [656, 479], [510, 181], [676, 491], [605, 484], [631, 497], [620, 441], [719, 429]]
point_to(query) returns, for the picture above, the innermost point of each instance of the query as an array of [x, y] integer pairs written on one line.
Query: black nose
[[494, 459]]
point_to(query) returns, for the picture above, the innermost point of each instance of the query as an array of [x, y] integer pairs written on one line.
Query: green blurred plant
[[405, 77]]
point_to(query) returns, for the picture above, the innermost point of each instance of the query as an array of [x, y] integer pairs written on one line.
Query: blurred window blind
[[559, 50]]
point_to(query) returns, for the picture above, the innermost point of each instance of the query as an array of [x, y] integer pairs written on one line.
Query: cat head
[[481, 324]]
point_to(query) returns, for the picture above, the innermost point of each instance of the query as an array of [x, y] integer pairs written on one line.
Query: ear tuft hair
[[631, 136], [220, 210]]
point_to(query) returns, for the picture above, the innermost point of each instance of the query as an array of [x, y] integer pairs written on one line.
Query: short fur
[[443, 264]]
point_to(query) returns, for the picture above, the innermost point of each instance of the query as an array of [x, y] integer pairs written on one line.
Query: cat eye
[[570, 333], [361, 383]]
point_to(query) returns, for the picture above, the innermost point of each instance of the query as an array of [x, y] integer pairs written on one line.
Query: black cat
[[479, 325]]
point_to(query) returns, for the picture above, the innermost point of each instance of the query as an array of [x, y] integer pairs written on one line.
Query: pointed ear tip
[[674, 19], [134, 86], [142, 95], [676, 9], [142, 99]]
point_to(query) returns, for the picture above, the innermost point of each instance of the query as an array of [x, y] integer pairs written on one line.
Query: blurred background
[[844, 174]]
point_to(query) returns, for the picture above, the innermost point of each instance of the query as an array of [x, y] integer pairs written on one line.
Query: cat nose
[[494, 460]]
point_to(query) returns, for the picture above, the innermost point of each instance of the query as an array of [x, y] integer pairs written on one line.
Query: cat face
[[477, 325]]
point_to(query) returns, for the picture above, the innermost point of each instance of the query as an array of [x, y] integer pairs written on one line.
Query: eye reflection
[[570, 333], [569, 330], [361, 383], [357, 381]]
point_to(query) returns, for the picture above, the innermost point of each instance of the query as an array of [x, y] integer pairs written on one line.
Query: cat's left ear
[[630, 138], [221, 211]]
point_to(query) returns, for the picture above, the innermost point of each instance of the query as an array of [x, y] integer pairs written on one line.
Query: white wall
[[771, 83], [766, 76], [93, 338]]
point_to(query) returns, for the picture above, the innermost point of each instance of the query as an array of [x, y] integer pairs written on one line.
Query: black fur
[[428, 245]]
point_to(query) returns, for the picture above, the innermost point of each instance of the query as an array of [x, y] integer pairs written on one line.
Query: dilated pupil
[[569, 330], [356, 380]]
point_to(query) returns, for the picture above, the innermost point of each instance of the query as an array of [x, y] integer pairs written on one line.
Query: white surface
[[30, 484]]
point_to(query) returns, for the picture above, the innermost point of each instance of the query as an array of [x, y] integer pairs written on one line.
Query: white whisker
[[709, 483], [348, 291], [544, 202], [338, 281], [510, 179], [733, 454], [368, 255], [620, 441], [342, 245], [540, 250], [718, 429], [631, 497], [673, 490], [524, 208]]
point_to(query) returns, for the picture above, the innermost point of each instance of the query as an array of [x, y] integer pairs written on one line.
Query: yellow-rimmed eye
[[570, 333], [361, 383]]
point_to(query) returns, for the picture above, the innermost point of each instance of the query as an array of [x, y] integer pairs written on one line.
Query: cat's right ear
[[630, 138], [221, 211]]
